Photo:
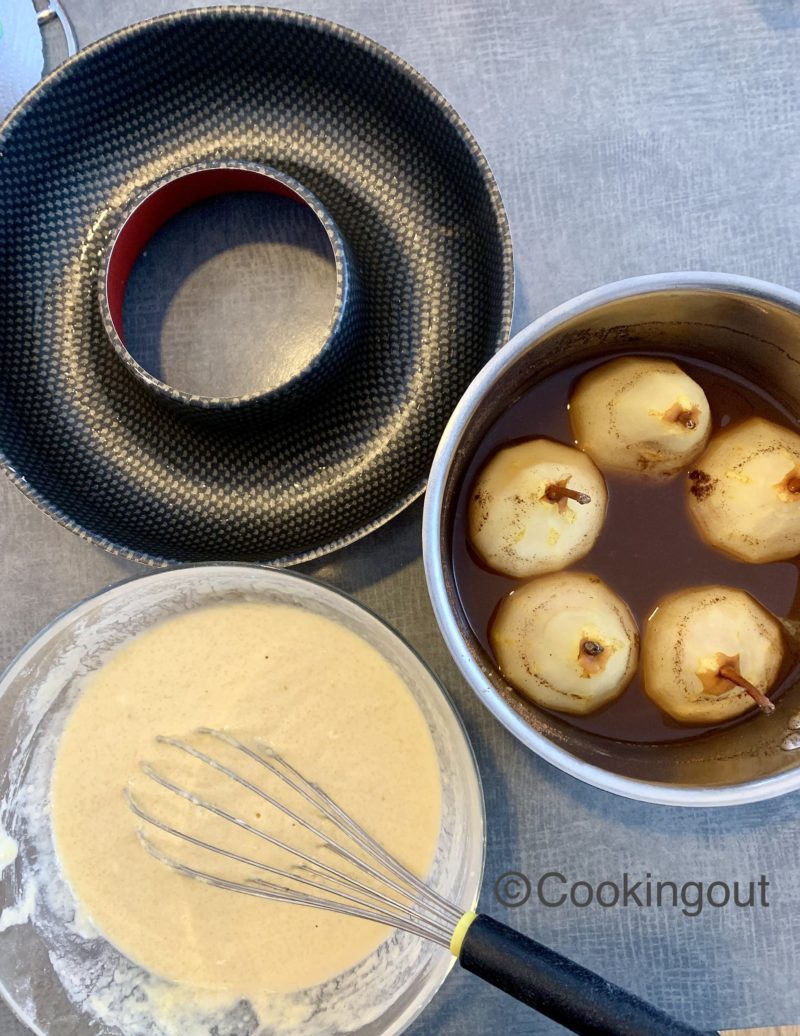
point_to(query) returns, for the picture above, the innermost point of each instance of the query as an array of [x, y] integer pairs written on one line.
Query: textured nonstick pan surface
[[405, 183]]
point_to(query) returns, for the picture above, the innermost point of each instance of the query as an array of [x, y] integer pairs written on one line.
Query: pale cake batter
[[323, 698]]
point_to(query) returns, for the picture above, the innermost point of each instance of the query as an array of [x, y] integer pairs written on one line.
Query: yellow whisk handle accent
[[460, 931]]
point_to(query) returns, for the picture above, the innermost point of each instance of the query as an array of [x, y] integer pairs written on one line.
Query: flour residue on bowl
[[9, 850], [19, 912]]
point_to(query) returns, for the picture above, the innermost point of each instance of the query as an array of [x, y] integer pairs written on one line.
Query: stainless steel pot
[[750, 326]]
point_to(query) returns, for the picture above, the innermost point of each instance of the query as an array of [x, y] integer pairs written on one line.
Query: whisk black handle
[[558, 987]]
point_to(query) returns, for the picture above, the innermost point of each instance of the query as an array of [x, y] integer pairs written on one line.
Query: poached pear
[[536, 507], [566, 641], [744, 492], [710, 654], [640, 415]]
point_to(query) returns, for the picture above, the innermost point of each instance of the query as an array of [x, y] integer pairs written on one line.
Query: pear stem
[[793, 485], [686, 418], [556, 492], [729, 673]]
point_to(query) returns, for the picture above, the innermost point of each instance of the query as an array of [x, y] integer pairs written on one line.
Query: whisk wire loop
[[278, 894], [419, 910], [451, 915]]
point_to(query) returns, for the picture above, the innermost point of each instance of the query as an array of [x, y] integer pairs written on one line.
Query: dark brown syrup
[[648, 546]]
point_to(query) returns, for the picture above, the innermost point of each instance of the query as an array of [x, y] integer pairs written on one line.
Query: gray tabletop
[[627, 136]]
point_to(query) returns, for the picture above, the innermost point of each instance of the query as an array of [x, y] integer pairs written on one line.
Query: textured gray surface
[[627, 137]]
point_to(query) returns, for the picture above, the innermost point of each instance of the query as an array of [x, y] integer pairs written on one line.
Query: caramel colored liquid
[[648, 546]]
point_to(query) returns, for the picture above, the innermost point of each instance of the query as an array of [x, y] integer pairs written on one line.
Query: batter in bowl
[[323, 698]]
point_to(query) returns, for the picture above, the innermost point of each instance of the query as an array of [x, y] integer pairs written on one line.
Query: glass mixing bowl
[[58, 975]]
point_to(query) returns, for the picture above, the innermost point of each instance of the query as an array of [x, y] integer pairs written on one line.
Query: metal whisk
[[432, 917], [383, 890]]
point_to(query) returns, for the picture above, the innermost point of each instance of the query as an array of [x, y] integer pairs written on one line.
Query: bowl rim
[[434, 982], [627, 787]]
